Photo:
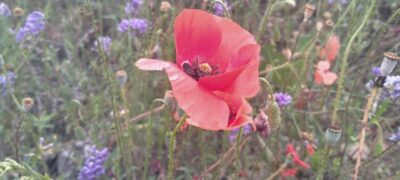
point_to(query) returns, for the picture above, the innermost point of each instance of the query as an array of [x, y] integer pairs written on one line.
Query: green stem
[[344, 62], [171, 161], [264, 20]]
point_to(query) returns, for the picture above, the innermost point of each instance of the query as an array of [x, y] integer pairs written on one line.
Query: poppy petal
[[332, 47], [246, 57], [233, 39], [329, 78], [152, 64], [205, 110], [197, 35], [247, 83], [323, 65], [212, 114], [289, 172], [318, 76]]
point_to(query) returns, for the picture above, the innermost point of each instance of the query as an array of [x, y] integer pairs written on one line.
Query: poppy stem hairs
[[171, 161]]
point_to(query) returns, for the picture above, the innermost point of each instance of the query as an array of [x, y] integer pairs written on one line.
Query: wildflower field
[[199, 89]]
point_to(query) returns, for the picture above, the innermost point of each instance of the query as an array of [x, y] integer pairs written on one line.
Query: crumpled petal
[[205, 110]]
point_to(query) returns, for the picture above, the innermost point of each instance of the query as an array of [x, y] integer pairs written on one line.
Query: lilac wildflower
[[376, 71], [392, 87], [103, 42], [4, 9], [219, 8], [283, 99], [395, 137], [5, 81], [234, 133], [132, 7], [33, 26], [136, 24], [93, 165]]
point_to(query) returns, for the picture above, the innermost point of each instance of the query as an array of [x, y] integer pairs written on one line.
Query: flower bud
[[389, 63], [262, 124], [27, 104], [170, 101], [329, 23], [121, 77], [274, 114], [332, 134]]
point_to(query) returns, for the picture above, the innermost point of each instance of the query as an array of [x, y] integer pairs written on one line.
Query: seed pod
[[332, 134], [389, 63], [27, 104], [121, 77]]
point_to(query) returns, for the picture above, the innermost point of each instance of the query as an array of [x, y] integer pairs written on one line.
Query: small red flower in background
[[323, 75], [291, 151], [327, 55], [216, 69], [331, 49]]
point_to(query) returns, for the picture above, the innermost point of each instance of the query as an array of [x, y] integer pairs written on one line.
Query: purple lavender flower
[[136, 24], [5, 81], [395, 137], [340, 1], [33, 26], [234, 133], [4, 9], [219, 8], [132, 7], [93, 165], [103, 42], [283, 99], [376, 71], [392, 87]]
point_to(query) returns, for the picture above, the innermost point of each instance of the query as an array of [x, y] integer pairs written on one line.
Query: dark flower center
[[198, 69]]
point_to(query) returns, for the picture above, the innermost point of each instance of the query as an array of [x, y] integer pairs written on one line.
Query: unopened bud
[[327, 15], [262, 124], [274, 114]]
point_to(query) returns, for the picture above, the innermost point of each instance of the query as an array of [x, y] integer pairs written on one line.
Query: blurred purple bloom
[[33, 26], [340, 1], [392, 87], [93, 165], [234, 133], [132, 7], [5, 81], [219, 8], [139, 25], [103, 42], [376, 71], [283, 99], [395, 137], [4, 9]]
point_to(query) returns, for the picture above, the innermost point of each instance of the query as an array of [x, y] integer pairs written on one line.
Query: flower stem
[[364, 123], [277, 172], [171, 161], [344, 62], [264, 20]]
